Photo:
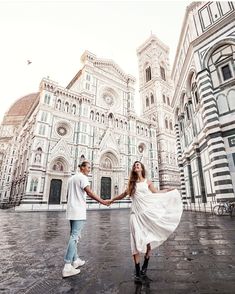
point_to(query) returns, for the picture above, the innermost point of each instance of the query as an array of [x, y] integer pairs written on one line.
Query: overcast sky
[[54, 34]]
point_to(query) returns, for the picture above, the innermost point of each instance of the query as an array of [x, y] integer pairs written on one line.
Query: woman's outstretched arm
[[154, 190], [119, 197]]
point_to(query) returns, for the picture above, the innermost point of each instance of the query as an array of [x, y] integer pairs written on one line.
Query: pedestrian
[[78, 189], [155, 214]]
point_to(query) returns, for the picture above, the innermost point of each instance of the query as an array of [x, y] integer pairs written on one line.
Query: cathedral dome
[[22, 106], [20, 109]]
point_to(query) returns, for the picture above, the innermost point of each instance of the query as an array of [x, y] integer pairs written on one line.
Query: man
[[78, 188]]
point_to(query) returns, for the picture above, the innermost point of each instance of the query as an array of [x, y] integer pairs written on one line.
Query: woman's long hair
[[134, 177]]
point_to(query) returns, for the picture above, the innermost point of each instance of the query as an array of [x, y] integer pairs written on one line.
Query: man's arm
[[91, 194]]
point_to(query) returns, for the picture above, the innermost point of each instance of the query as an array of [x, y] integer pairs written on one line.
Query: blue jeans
[[76, 227]]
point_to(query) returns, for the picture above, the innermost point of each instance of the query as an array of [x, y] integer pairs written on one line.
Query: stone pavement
[[198, 258]]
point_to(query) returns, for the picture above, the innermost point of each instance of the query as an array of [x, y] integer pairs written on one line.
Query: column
[[200, 174], [190, 178], [180, 163], [217, 153]]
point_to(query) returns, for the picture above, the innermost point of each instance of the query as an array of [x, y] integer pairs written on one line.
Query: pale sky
[[54, 34]]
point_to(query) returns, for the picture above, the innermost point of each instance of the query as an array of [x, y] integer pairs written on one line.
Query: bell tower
[[156, 90]]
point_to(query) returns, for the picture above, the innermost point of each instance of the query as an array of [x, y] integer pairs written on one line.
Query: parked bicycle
[[224, 208]]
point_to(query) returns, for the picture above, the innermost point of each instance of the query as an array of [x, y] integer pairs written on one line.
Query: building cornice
[[90, 58], [111, 63], [217, 27], [57, 90]]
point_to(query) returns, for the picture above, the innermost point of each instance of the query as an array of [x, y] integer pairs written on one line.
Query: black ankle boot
[[144, 266], [137, 273]]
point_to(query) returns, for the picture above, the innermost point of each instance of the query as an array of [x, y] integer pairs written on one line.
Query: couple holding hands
[[154, 215]]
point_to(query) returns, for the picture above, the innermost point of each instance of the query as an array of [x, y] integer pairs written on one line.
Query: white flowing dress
[[154, 216]]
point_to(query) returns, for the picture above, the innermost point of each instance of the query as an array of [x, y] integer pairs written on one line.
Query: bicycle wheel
[[221, 210], [215, 209]]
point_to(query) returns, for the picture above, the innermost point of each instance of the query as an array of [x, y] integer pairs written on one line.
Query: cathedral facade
[[204, 103], [45, 135]]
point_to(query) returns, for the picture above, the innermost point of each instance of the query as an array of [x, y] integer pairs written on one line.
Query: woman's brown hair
[[134, 177]]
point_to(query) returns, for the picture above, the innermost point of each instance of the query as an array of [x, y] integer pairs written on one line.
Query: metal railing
[[214, 208]]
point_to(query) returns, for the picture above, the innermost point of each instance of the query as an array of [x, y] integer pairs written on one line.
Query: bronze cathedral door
[[55, 191], [105, 192]]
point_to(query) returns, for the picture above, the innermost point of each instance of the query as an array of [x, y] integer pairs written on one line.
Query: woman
[[154, 215]]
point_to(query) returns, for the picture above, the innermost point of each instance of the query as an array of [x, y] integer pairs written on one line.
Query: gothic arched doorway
[[105, 191], [55, 191]]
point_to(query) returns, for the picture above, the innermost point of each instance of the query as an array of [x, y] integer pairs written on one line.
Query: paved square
[[198, 258]]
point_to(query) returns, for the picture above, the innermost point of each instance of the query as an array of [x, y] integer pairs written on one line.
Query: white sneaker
[[78, 262], [69, 271]]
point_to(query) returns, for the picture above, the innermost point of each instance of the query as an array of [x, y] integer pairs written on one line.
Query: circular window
[[62, 131], [108, 99]]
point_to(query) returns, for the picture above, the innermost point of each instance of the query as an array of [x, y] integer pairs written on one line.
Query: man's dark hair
[[83, 164]]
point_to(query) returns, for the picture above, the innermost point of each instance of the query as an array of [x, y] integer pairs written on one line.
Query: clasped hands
[[107, 202]]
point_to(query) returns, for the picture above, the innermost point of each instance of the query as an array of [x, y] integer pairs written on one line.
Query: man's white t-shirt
[[76, 204]]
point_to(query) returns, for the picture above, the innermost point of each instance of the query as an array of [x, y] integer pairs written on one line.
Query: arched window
[[58, 104], [187, 112], [116, 123], [171, 126], [82, 158], [47, 99], [220, 64], [163, 73], [110, 119], [168, 100], [44, 116], [194, 91], [121, 124], [74, 109], [147, 102], [92, 115], [97, 116], [152, 98], [33, 185], [66, 107], [164, 98], [181, 125], [148, 74], [196, 97], [166, 123], [102, 118], [138, 130]]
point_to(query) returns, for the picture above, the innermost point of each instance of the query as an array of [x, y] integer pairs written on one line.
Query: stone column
[[200, 173], [190, 179], [217, 153], [180, 164]]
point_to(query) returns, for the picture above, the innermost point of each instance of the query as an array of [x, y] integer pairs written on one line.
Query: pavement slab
[[199, 257]]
